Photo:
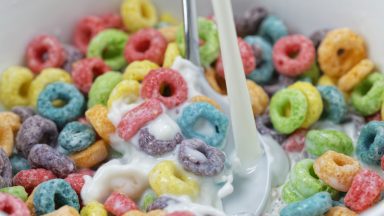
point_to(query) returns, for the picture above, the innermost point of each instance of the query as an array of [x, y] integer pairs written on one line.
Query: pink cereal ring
[[29, 179], [118, 204], [166, 85], [137, 117], [45, 51], [295, 142], [146, 44], [85, 30], [365, 191], [86, 70], [112, 21], [247, 57], [293, 55], [13, 206], [76, 180]]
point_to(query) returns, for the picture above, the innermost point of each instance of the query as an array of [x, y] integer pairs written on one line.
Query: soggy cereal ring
[[138, 14], [161, 202], [317, 142], [335, 107], [75, 137], [216, 119], [118, 204], [73, 55], [216, 82], [12, 206], [272, 29], [202, 98], [296, 101], [152, 146], [340, 211], [74, 103], [317, 204], [137, 70], [340, 50], [370, 143], [23, 112], [127, 90], [97, 116], [45, 51], [5, 170], [102, 88], [146, 44], [165, 85], [210, 50], [85, 30], [91, 156], [109, 46], [354, 76], [93, 209], [14, 84], [259, 98], [171, 53], [6, 138]]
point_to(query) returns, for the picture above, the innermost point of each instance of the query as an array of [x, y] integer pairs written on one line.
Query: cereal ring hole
[[143, 46], [204, 127], [8, 209], [42, 54], [293, 50], [110, 52], [340, 162], [24, 89], [312, 173], [144, 11], [340, 52], [167, 90]]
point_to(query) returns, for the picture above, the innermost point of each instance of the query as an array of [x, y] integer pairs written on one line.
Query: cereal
[[11, 120], [263, 55], [147, 199], [137, 70], [97, 116], [65, 210], [86, 70], [259, 98], [5, 170], [44, 156], [6, 139], [118, 204], [76, 180], [85, 30], [127, 90], [23, 112], [216, 82], [340, 50], [46, 77], [281, 82], [35, 129], [365, 191], [336, 170], [12, 206], [31, 178], [152, 146], [318, 36], [93, 209], [181, 213], [14, 86], [73, 55], [161, 203], [167, 178], [295, 142], [296, 101], [326, 80], [102, 88], [311, 75], [18, 163], [272, 29], [146, 44], [165, 85], [151, 213], [171, 53], [202, 98], [340, 211], [293, 55], [265, 127], [91, 156], [113, 21], [335, 107], [169, 33], [109, 46], [315, 205], [371, 142], [253, 18], [16, 191], [355, 75], [44, 51], [367, 97], [72, 109], [137, 14], [54, 194], [75, 137], [204, 111], [317, 142], [201, 159]]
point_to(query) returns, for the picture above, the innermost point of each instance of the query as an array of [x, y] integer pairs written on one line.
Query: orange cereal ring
[[354, 76], [336, 170], [11, 119], [259, 98], [97, 116], [340, 50], [202, 98], [151, 213], [340, 211], [215, 81], [91, 156], [169, 33], [64, 211], [6, 138]]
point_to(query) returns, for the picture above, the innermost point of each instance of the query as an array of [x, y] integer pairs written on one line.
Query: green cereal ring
[[93, 209], [317, 142], [208, 33], [368, 96], [109, 45], [16, 191], [147, 199], [288, 110], [102, 88], [312, 75]]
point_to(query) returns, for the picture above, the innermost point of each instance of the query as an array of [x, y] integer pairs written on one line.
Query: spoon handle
[[191, 32]]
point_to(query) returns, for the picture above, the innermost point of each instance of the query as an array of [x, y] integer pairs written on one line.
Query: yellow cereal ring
[[94, 209], [259, 98], [91, 156], [151, 213], [47, 76], [30, 204], [168, 18], [336, 170], [6, 138], [340, 50], [202, 98], [315, 103], [340, 211], [137, 70], [138, 14], [11, 120], [167, 178], [14, 85], [128, 90], [169, 33], [171, 53], [354, 76], [97, 116], [215, 81], [64, 211], [327, 81]]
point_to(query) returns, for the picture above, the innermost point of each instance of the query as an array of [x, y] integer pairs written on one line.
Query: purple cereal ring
[[5, 170], [152, 146], [24, 112], [161, 203], [201, 159], [34, 130], [44, 156], [264, 126], [13, 206], [318, 36], [281, 82], [73, 55]]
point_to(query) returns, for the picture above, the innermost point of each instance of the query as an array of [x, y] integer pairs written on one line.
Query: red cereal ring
[[247, 57], [29, 179], [45, 51], [146, 44], [118, 204], [113, 21], [293, 55], [85, 71], [13, 206], [166, 85], [85, 30], [295, 142], [76, 180]]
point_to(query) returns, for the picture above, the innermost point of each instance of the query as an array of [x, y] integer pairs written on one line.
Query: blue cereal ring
[[316, 205], [19, 163], [370, 144], [335, 108], [52, 195], [206, 111], [264, 70], [75, 137], [272, 29]]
